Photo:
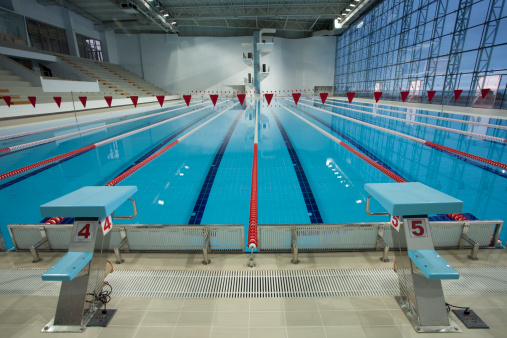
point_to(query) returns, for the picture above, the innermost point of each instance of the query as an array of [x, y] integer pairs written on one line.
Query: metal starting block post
[[82, 269], [420, 268]]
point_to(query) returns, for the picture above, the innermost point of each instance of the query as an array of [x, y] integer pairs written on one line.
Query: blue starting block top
[[414, 198], [97, 202], [432, 265], [67, 267]]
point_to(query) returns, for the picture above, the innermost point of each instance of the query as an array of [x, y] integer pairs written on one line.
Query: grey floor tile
[[267, 333], [166, 304], [118, 332], [233, 304], [231, 319], [382, 332], [196, 318], [306, 332], [259, 319], [339, 318], [160, 318], [199, 304], [334, 304], [127, 318], [192, 332], [303, 318], [266, 304], [344, 331], [375, 318], [134, 303], [229, 332], [300, 304], [368, 303], [158, 332]]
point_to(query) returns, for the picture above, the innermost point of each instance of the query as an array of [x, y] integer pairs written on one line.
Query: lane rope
[[451, 130], [93, 146], [415, 139]]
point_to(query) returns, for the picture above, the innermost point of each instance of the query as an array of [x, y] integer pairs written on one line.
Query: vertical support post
[[257, 64], [382, 243], [206, 247], [294, 246]]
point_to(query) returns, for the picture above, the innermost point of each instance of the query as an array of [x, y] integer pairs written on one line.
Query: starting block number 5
[[84, 232], [418, 227]]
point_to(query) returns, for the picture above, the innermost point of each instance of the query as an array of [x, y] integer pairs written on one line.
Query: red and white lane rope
[[26, 133], [129, 172], [451, 130], [354, 151], [254, 202], [92, 146], [51, 139], [422, 115], [415, 139]]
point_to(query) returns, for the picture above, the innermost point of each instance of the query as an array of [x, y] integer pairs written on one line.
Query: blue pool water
[[304, 177]]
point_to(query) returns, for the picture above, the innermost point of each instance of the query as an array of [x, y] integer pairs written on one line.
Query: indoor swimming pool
[[304, 175]]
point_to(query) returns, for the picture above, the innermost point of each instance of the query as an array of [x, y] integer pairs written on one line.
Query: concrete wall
[[183, 64]]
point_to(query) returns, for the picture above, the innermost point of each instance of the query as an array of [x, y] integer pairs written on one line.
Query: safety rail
[[372, 236], [136, 237]]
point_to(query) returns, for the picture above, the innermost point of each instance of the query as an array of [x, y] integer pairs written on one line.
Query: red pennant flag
[[83, 100], [323, 97], [484, 92], [350, 96], [160, 99], [457, 94], [134, 100], [431, 93], [7, 100], [268, 98], [377, 95], [296, 97], [109, 100], [58, 100], [32, 100], [404, 95], [214, 99], [241, 98]]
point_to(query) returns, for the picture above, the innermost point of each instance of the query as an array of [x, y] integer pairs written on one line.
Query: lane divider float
[[415, 139], [51, 139], [93, 146], [135, 168], [253, 218], [26, 133], [461, 132], [343, 102]]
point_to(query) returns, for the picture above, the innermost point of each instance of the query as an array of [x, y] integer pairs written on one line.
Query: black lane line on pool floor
[[164, 142], [30, 174], [202, 200], [311, 204], [355, 144]]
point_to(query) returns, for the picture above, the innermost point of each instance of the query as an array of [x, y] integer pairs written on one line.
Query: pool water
[[303, 176]]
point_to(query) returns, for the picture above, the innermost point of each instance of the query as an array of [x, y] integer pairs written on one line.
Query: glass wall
[[47, 37], [427, 45], [12, 27], [89, 48]]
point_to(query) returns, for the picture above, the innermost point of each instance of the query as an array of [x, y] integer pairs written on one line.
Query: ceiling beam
[[71, 7]]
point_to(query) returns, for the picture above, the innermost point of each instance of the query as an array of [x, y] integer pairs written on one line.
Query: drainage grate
[[257, 284]]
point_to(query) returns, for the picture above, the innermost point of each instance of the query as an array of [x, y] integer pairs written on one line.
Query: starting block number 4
[[84, 232], [106, 224], [417, 227]]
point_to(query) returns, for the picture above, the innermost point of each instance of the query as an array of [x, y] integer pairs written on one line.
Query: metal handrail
[[128, 217], [373, 213]]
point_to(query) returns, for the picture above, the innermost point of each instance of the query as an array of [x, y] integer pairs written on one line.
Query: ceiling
[[290, 18]]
